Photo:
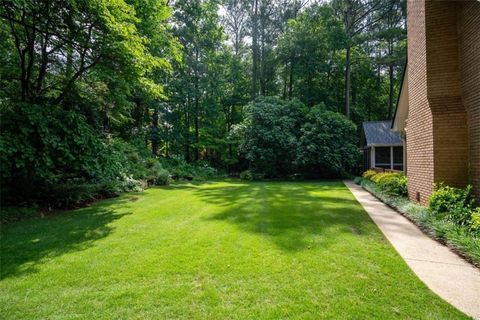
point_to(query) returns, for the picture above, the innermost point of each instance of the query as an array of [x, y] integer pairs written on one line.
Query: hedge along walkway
[[445, 273]]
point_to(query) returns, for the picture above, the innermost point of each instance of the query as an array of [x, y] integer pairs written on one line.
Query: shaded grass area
[[449, 233], [226, 249]]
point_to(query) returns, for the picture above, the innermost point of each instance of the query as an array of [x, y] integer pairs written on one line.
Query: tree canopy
[[276, 86]]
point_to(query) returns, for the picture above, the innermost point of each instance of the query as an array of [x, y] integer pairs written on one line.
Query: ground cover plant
[[225, 249], [450, 217]]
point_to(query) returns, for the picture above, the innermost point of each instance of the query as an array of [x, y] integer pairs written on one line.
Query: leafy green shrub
[[71, 193], [204, 170], [281, 137], [455, 204], [259, 176], [53, 157], [327, 144], [377, 178], [40, 144], [393, 183], [163, 178], [10, 214], [269, 133], [127, 159], [475, 222], [129, 184], [460, 215], [110, 188], [179, 169], [369, 174], [246, 175], [155, 173]]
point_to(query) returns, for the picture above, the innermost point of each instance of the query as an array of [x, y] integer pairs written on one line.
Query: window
[[398, 158], [382, 157]]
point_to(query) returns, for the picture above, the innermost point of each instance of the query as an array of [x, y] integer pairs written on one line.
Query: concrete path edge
[[444, 272]]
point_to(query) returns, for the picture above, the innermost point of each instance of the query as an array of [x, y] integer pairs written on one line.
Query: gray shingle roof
[[380, 133]]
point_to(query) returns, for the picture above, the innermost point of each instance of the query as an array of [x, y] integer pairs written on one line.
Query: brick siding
[[469, 30], [450, 133], [443, 126], [419, 129]]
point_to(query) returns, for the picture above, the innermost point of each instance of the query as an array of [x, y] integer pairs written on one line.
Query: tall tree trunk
[[390, 91], [292, 58], [254, 49], [285, 84], [145, 115], [44, 61], [197, 105], [31, 43], [197, 135], [390, 78], [229, 129], [379, 66], [263, 87], [154, 139], [187, 131], [69, 64], [263, 84], [290, 80], [347, 80]]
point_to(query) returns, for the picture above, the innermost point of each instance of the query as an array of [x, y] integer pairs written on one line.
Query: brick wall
[[443, 127], [419, 129], [450, 133], [469, 30]]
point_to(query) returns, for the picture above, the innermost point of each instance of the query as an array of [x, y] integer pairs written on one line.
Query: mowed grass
[[220, 250]]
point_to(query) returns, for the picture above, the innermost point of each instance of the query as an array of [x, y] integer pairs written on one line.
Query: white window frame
[[392, 164]]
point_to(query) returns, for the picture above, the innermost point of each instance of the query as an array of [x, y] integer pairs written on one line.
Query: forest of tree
[[91, 90]]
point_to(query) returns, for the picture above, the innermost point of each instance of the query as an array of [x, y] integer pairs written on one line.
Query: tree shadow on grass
[[295, 216], [25, 244]]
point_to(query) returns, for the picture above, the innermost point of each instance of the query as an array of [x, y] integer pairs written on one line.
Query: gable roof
[[379, 133]]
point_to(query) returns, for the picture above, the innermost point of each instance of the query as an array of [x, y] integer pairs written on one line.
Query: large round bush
[[327, 144]]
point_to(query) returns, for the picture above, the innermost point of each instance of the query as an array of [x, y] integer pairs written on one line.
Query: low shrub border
[[140, 172], [454, 236]]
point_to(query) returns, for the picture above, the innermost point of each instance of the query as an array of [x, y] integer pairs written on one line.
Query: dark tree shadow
[[289, 214], [24, 244]]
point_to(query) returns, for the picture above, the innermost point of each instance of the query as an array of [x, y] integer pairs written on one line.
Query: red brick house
[[438, 112]]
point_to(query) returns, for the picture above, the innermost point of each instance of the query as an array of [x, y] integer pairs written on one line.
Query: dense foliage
[[283, 137], [269, 135], [52, 156], [454, 204], [327, 144], [393, 183], [99, 96]]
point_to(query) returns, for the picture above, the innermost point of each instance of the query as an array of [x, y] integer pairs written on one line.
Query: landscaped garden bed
[[451, 216]]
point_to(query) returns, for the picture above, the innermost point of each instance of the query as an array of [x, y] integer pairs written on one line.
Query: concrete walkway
[[444, 272]]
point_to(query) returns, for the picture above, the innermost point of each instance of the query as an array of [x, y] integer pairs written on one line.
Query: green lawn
[[222, 250]]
